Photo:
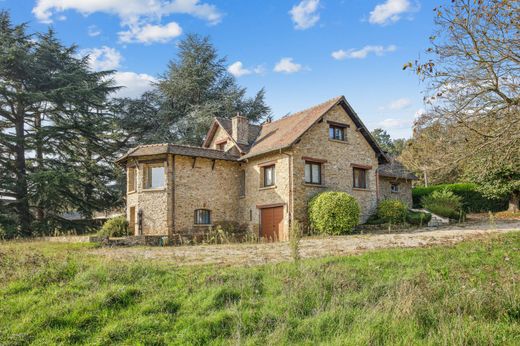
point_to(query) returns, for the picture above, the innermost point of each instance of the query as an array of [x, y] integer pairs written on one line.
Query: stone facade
[[232, 189]]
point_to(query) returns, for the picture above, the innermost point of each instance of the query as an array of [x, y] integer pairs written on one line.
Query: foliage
[[392, 147], [62, 294], [392, 210], [418, 218], [333, 213], [114, 227], [443, 202], [195, 88], [295, 235], [472, 199]]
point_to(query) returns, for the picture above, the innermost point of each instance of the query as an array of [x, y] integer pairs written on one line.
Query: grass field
[[463, 294]]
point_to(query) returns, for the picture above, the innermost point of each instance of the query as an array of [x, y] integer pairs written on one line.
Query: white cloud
[[363, 52], [389, 11], [392, 123], [237, 69], [286, 65], [134, 84], [151, 33], [304, 14], [93, 31], [398, 104], [104, 58]]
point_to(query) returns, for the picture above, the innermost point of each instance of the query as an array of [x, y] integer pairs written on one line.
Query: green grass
[[463, 294]]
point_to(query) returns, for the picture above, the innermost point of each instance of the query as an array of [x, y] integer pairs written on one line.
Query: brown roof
[[395, 169], [286, 131], [176, 149]]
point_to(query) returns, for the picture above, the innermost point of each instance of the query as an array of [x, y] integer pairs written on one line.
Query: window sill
[[267, 188], [338, 141], [155, 189], [394, 191], [361, 189], [131, 192], [202, 225], [314, 185], [242, 197]]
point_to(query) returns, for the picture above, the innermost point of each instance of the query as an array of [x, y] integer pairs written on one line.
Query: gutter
[[291, 187]]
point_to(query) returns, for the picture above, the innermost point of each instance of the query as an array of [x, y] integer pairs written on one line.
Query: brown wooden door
[[271, 223], [131, 222]]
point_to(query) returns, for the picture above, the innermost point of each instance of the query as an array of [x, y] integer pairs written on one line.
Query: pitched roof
[[395, 169], [177, 149], [226, 124], [286, 131]]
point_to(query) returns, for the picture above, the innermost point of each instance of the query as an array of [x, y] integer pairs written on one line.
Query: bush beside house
[[444, 203], [392, 211], [333, 213], [114, 227], [472, 199]]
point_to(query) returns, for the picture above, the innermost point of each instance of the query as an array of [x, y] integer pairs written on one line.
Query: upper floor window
[[242, 191], [337, 130], [313, 173], [221, 146], [360, 178], [132, 181], [268, 175], [154, 176], [202, 217], [394, 188]]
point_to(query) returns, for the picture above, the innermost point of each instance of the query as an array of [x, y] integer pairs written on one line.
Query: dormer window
[[221, 145], [337, 131]]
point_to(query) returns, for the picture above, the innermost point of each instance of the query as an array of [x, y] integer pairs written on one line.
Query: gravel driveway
[[254, 254]]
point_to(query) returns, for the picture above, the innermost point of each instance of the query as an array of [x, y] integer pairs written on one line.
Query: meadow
[[467, 293]]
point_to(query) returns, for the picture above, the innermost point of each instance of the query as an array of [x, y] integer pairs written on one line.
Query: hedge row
[[472, 200]]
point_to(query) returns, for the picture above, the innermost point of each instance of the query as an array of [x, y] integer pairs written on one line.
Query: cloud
[[286, 65], [104, 58], [93, 31], [397, 105], [390, 11], [392, 123], [134, 84], [363, 52], [151, 33], [304, 14], [238, 70]]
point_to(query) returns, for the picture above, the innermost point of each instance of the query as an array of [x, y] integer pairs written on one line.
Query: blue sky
[[302, 52]]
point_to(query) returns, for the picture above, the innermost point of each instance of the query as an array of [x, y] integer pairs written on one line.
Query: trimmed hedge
[[333, 213], [392, 210], [418, 218], [114, 227], [472, 200]]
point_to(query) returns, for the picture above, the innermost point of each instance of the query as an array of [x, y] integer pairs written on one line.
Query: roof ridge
[[337, 98]]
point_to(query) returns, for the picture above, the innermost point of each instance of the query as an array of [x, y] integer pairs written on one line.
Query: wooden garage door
[[271, 223]]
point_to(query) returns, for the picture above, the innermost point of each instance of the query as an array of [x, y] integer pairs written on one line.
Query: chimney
[[240, 129]]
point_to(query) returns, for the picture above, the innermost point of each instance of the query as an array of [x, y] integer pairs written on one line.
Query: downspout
[[377, 183], [291, 188]]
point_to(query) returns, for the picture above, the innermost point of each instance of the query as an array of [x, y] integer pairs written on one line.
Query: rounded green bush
[[114, 227], [333, 213], [392, 210]]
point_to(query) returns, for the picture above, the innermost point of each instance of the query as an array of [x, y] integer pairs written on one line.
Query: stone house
[[259, 176]]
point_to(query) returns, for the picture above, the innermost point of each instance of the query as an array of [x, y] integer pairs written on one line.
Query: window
[[269, 176], [313, 173], [154, 177], [221, 146], [394, 187], [337, 133], [242, 191], [132, 182], [202, 217], [360, 178]]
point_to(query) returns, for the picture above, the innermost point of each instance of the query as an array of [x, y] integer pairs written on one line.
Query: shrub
[[392, 211], [418, 218], [333, 213], [375, 220], [472, 199], [444, 203], [114, 227]]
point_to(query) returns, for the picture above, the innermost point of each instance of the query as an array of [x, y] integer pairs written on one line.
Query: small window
[[394, 187], [132, 182], [313, 173], [202, 217], [337, 133], [269, 176], [154, 177], [221, 146], [360, 178], [242, 191]]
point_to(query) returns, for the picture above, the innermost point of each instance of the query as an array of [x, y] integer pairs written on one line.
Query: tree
[[473, 82], [389, 145], [195, 88], [57, 136]]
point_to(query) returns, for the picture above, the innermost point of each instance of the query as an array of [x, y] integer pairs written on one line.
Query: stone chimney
[[240, 129]]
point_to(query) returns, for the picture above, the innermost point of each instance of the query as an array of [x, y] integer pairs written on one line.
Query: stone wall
[[405, 190], [337, 172], [203, 186]]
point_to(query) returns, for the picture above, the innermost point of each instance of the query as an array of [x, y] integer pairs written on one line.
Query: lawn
[[468, 293]]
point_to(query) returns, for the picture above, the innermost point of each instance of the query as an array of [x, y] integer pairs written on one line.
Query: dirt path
[[254, 254]]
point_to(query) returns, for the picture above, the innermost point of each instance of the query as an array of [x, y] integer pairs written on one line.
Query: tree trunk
[[22, 200], [514, 201], [39, 159]]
